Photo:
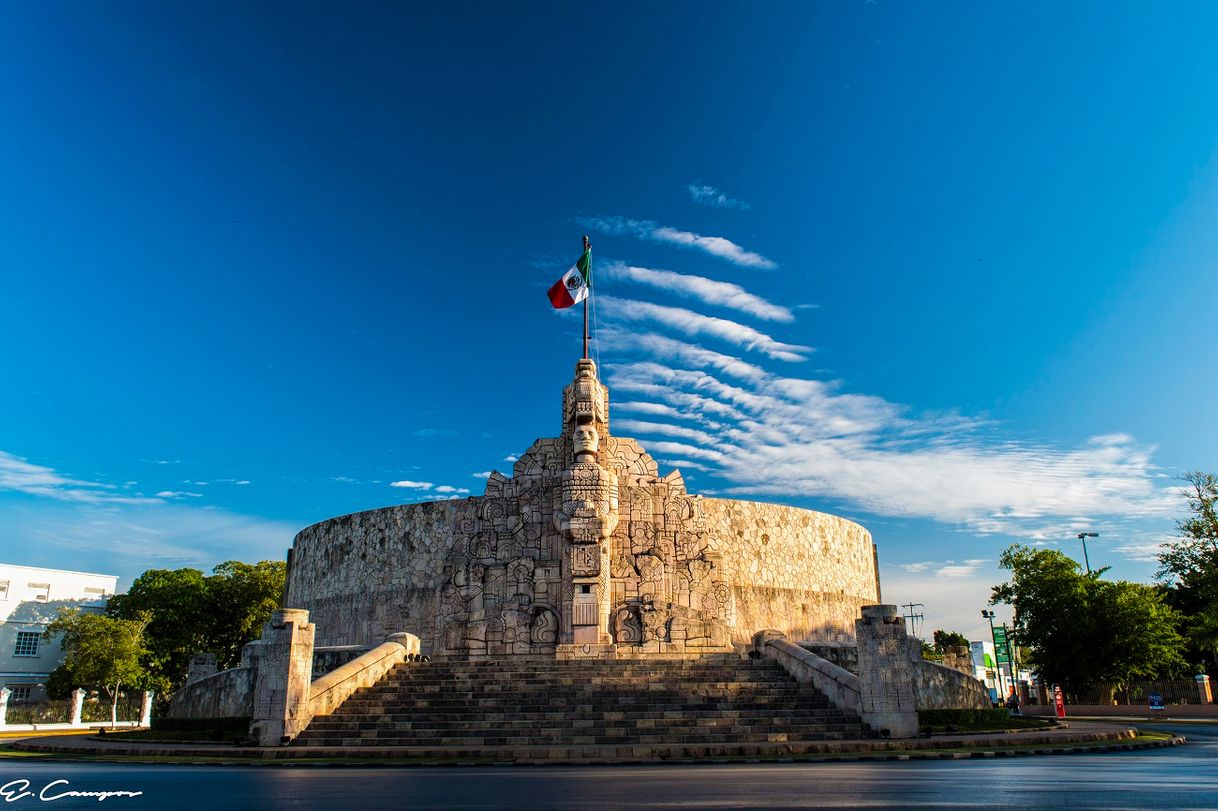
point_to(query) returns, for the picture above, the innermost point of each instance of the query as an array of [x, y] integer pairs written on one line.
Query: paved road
[[1182, 777]]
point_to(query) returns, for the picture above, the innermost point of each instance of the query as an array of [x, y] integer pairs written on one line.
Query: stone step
[[716, 701], [439, 721], [582, 740]]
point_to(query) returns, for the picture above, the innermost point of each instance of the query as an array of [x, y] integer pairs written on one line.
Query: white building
[[29, 601]]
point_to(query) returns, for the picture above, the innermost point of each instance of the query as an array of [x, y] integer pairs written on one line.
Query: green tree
[[241, 597], [188, 612], [100, 651], [1082, 629], [176, 605], [949, 639], [1189, 566]]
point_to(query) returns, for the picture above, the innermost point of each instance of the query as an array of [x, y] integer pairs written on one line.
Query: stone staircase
[[720, 701]]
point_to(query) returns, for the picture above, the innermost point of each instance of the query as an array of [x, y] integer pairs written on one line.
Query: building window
[[40, 592], [27, 643], [3, 589], [93, 591], [21, 692]]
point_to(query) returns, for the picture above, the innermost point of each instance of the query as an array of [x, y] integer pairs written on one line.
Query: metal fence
[[1136, 693], [95, 709]]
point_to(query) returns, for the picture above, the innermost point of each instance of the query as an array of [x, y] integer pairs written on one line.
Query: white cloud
[[665, 348], [427, 432], [126, 539], [21, 476], [412, 485], [694, 324], [665, 429], [715, 246], [954, 569], [710, 196], [708, 291], [786, 436], [177, 494], [510, 458], [448, 488], [482, 474]]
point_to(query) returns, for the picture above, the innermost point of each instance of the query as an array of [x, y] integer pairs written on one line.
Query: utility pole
[[1083, 536], [914, 617], [989, 615]]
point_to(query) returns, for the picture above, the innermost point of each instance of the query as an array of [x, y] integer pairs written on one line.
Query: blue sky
[[947, 270]]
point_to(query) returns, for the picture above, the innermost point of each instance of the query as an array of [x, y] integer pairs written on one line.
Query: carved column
[[588, 512]]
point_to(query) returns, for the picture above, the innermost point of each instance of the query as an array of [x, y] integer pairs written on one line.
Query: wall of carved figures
[[489, 575]]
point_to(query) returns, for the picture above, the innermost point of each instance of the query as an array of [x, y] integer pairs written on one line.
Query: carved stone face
[[586, 440]]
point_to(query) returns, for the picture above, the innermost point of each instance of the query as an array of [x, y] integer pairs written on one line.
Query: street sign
[[1155, 700], [1059, 701]]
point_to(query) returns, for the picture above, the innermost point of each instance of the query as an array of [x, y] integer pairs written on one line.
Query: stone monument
[[584, 551]]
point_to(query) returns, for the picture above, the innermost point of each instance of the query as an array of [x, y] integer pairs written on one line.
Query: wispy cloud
[[708, 291], [948, 568], [448, 488], [694, 324], [21, 476], [482, 474], [787, 436], [669, 349], [434, 432], [720, 247], [412, 485], [710, 196], [177, 494], [126, 539]]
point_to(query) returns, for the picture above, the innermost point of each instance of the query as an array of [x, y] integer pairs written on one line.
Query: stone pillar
[[202, 665], [1203, 689], [1042, 694], [4, 696], [146, 709], [78, 701], [886, 673], [285, 671]]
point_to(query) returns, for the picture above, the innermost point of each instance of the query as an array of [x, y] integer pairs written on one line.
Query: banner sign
[[1000, 646]]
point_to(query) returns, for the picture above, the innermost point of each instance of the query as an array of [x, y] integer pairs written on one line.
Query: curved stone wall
[[803, 572], [751, 565]]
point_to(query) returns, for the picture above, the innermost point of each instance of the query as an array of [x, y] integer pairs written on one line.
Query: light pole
[[1083, 536], [989, 615]]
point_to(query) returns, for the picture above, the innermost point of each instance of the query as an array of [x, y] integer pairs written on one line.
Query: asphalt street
[[1181, 777]]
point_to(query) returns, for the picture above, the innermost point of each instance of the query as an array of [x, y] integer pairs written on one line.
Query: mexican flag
[[572, 288]]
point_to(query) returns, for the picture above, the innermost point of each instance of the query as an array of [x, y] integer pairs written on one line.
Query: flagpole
[[587, 245]]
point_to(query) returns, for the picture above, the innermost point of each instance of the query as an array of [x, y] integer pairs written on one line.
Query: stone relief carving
[[585, 506]]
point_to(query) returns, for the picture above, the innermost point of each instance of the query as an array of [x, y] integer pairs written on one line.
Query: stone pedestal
[[5, 693], [202, 665], [886, 676], [78, 701], [1203, 689], [146, 709], [285, 671]]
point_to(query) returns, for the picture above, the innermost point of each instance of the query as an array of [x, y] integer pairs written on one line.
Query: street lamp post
[[989, 615], [1083, 536]]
